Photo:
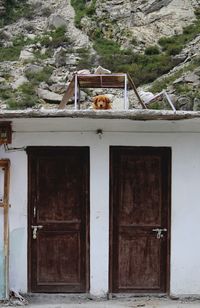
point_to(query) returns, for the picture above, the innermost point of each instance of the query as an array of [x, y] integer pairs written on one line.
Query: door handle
[[159, 232], [35, 228]]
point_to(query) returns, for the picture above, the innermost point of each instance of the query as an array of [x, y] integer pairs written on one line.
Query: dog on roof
[[101, 102]]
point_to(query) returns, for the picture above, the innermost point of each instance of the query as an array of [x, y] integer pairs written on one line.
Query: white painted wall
[[185, 248]]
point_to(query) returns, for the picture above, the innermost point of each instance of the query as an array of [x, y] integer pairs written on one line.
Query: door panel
[[58, 204], [139, 197], [48, 271]]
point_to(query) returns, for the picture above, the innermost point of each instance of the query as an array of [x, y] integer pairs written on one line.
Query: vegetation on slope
[[16, 9], [82, 9], [144, 68]]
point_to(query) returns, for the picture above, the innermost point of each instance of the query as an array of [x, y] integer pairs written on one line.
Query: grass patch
[[22, 102], [43, 76], [6, 93], [152, 50], [147, 67], [24, 97], [55, 38], [173, 45], [163, 83], [86, 59], [10, 53], [82, 9], [142, 67], [16, 9], [13, 53]]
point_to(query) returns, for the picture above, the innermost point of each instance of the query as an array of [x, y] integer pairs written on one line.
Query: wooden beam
[[68, 94], [136, 92]]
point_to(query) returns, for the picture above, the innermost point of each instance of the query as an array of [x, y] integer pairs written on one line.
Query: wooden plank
[[68, 94], [136, 92]]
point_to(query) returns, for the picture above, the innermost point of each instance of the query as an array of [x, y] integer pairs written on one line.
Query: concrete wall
[[185, 229]]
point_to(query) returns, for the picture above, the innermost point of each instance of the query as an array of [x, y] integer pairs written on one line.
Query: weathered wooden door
[[140, 206], [58, 219]]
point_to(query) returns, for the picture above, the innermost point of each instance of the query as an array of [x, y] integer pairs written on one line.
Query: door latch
[[35, 228], [159, 232]]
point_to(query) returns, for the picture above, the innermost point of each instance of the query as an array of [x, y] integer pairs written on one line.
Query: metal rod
[[75, 91], [169, 101]]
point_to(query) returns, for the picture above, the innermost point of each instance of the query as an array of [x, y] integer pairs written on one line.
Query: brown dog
[[101, 102]]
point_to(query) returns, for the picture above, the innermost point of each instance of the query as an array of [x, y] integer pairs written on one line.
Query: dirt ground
[[133, 302]]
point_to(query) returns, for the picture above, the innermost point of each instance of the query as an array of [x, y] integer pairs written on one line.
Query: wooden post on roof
[[68, 94], [136, 92], [5, 165]]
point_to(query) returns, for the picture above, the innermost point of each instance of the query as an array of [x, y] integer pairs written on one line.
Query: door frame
[[111, 206], [34, 149]]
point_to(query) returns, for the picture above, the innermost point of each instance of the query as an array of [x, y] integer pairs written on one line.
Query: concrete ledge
[[136, 114]]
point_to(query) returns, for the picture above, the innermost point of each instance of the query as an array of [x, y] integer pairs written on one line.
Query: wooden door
[[58, 219], [140, 204]]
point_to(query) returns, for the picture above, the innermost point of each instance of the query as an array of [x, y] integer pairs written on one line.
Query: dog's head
[[101, 102]]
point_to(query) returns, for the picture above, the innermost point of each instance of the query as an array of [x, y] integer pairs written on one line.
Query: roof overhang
[[134, 115]]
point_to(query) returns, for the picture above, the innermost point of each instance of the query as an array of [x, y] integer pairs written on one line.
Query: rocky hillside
[[42, 42]]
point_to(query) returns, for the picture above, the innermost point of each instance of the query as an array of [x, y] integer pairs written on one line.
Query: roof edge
[[134, 114]]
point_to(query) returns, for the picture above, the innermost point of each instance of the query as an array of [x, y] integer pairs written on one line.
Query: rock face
[[56, 21], [49, 96], [141, 21]]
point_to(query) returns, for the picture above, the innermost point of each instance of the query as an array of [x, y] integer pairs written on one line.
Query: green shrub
[[27, 88], [43, 76], [165, 41], [16, 9], [82, 9], [22, 102], [10, 53], [174, 49], [13, 53], [176, 43], [54, 38], [24, 97], [197, 12], [152, 50], [6, 93]]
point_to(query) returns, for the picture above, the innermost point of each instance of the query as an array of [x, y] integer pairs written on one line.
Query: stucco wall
[[185, 228]]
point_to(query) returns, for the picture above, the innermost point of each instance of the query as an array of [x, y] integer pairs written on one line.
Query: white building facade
[[99, 135]]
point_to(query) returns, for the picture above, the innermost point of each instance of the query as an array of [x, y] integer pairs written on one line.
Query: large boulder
[[60, 57], [49, 96], [196, 106], [56, 21], [26, 55], [184, 103], [19, 82], [32, 69]]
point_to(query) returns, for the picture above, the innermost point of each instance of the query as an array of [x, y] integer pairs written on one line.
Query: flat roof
[[134, 114]]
